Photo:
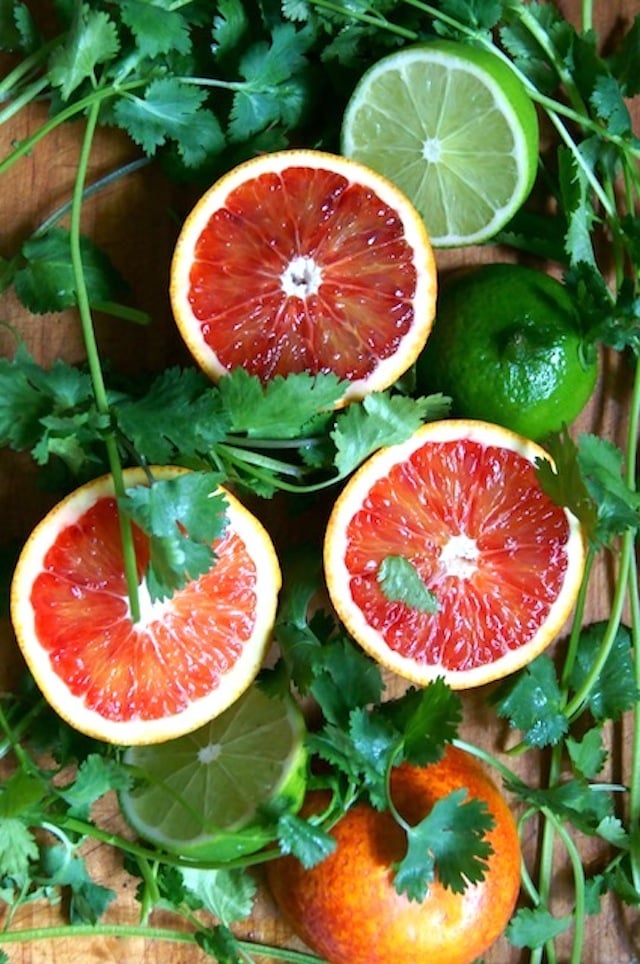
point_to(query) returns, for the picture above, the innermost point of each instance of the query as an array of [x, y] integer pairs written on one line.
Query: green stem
[[93, 356], [579, 911], [28, 65], [81, 106], [576, 627], [25, 97], [123, 931]]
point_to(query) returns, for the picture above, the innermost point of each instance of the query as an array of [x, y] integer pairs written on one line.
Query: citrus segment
[[462, 503], [184, 661], [454, 128], [302, 261], [507, 347], [347, 909], [201, 794]]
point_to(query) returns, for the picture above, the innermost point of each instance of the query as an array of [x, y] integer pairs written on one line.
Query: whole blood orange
[[304, 261], [461, 504], [347, 909], [187, 658]]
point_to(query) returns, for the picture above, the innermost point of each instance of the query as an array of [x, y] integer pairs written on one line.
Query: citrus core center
[[458, 557], [432, 150], [209, 753], [301, 277]]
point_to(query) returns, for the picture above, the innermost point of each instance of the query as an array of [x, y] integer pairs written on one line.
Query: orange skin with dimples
[[346, 908]]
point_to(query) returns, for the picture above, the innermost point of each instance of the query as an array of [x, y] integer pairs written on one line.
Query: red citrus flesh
[[293, 226], [346, 907], [151, 670], [462, 502], [517, 532]]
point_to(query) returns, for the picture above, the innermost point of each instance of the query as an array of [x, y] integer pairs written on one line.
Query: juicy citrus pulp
[[454, 128], [461, 501], [201, 794], [346, 907], [302, 261], [183, 662], [506, 347]]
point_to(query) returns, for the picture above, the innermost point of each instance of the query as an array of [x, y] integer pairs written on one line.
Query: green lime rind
[[215, 794], [454, 128], [506, 346]]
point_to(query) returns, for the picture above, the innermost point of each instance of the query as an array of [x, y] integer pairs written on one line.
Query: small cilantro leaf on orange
[[303, 839], [401, 582], [182, 516], [532, 702], [452, 837]]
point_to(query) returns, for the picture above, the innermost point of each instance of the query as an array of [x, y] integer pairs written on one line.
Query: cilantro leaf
[[623, 61], [46, 282], [304, 840], [578, 207], [63, 868], [157, 26], [227, 894], [601, 465], [428, 718], [563, 482], [344, 678], [608, 102], [229, 25], [381, 419], [274, 89], [615, 690], [573, 800], [92, 40], [171, 110], [375, 742], [534, 927], [401, 582], [283, 408], [179, 415], [18, 848], [220, 943], [532, 701], [587, 755], [450, 841], [96, 776], [183, 516]]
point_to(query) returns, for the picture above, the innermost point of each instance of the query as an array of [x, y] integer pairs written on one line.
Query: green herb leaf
[[381, 419], [63, 868], [304, 840], [96, 776], [227, 894], [532, 701], [92, 40], [450, 840], [401, 582], [534, 927], [46, 283], [615, 690], [588, 755], [157, 26]]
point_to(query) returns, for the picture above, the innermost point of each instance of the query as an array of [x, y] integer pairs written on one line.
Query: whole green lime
[[507, 348]]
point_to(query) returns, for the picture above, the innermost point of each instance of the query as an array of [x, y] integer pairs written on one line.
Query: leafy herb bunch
[[198, 90]]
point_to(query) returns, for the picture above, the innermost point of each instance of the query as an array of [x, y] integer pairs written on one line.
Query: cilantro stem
[[578, 882], [93, 356], [174, 935], [95, 98], [25, 97]]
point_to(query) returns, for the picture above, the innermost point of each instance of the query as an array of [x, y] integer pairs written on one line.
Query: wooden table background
[[136, 221]]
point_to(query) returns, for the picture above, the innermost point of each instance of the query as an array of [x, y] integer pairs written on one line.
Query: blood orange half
[[187, 658], [461, 503], [304, 261]]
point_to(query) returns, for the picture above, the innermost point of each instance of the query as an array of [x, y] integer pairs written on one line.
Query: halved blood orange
[[187, 658], [304, 261], [461, 502]]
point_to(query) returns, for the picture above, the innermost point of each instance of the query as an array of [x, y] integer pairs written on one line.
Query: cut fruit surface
[[461, 503], [202, 795], [454, 128], [185, 660], [303, 261]]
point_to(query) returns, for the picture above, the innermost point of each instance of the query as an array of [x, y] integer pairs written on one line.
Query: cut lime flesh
[[201, 795], [454, 128]]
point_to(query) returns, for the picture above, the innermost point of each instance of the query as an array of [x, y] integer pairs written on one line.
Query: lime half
[[454, 128], [206, 795]]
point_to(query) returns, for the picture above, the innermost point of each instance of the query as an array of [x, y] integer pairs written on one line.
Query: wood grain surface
[[136, 221]]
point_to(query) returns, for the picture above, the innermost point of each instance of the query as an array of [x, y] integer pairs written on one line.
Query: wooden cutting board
[[136, 221]]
